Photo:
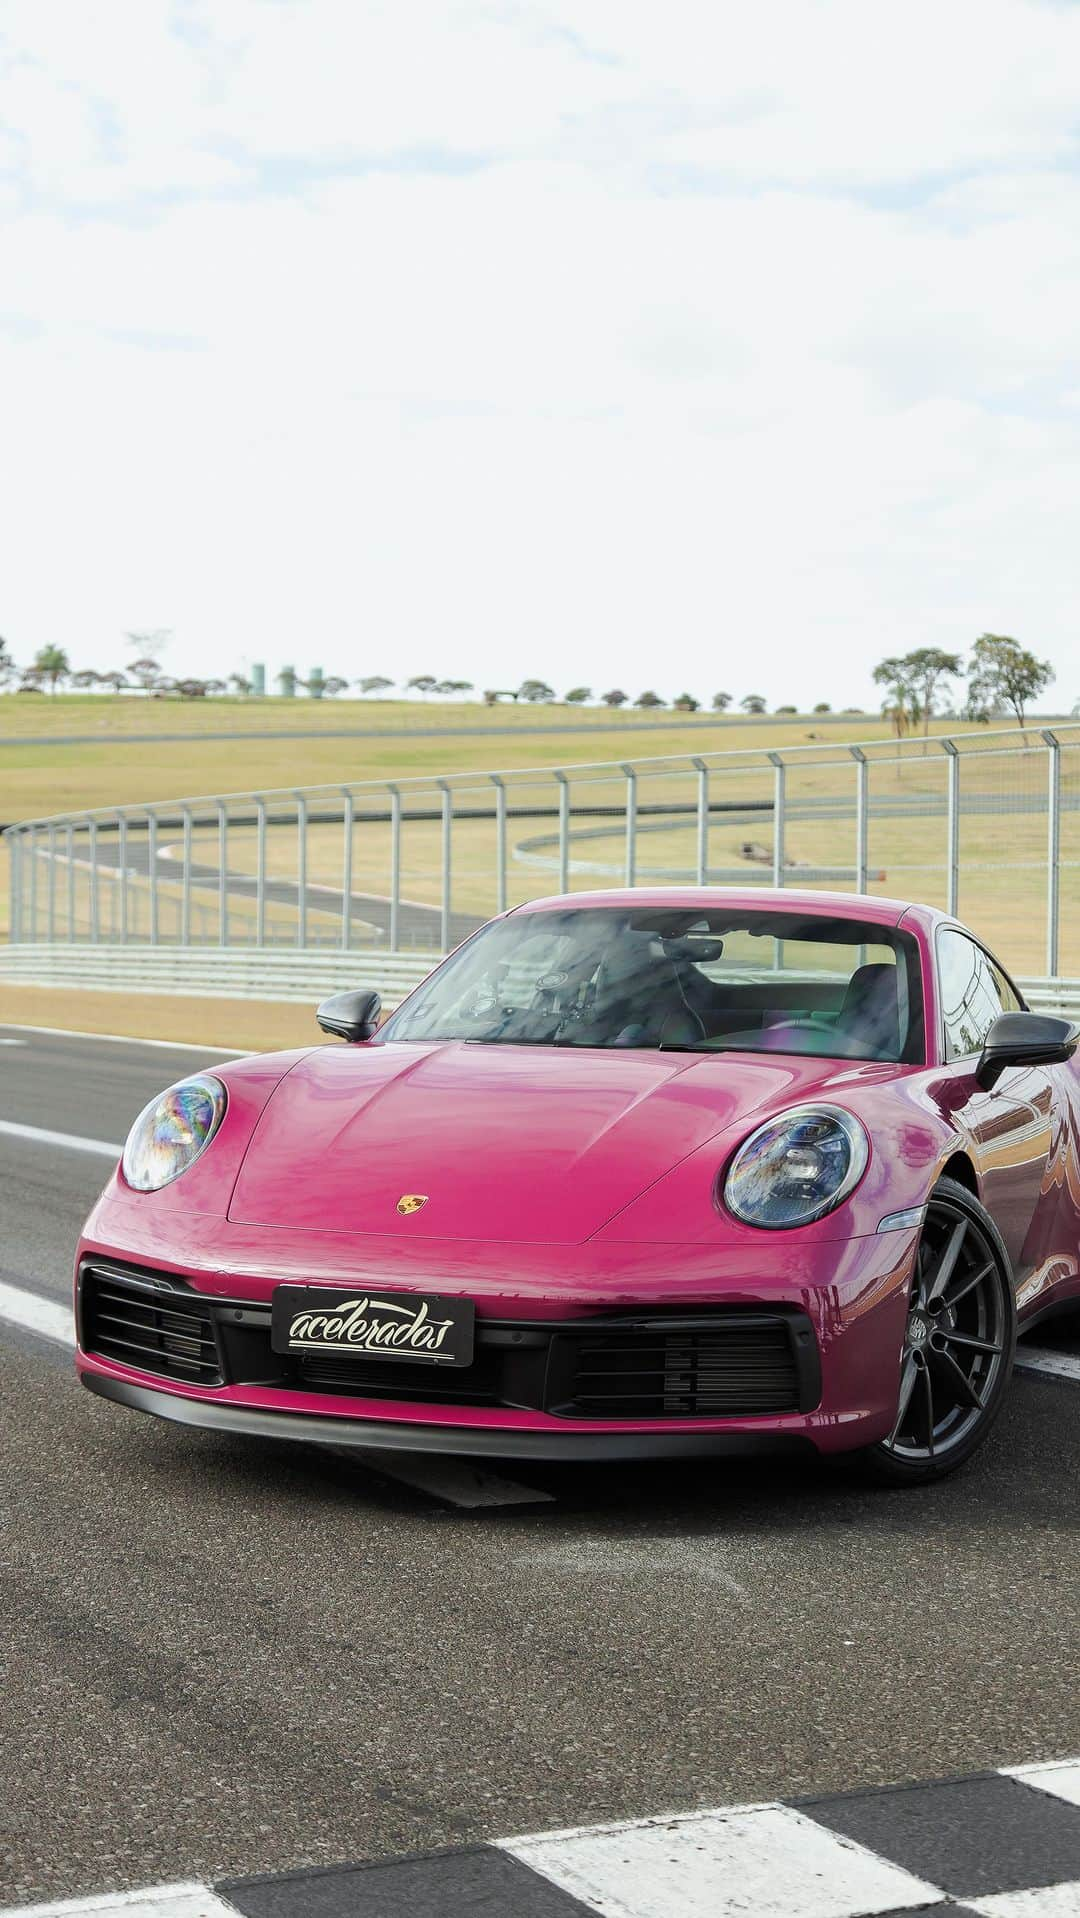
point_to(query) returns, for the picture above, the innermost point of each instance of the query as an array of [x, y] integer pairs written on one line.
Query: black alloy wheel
[[958, 1346]]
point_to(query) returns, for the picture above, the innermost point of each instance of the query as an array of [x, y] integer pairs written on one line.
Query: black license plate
[[368, 1322]]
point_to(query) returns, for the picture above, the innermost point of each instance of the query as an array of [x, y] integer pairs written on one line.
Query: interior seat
[[871, 1009]]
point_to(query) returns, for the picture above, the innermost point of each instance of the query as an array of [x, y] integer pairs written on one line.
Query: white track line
[[71, 1141], [453, 1480], [1056, 1365], [157, 1901], [120, 1039], [767, 1861], [35, 1314]]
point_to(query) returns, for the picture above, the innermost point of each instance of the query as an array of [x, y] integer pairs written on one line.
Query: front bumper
[[850, 1301], [472, 1441]]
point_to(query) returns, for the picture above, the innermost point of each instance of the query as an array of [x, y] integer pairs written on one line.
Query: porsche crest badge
[[411, 1201]]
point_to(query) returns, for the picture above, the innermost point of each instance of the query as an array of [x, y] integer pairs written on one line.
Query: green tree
[[913, 679], [424, 683], [240, 684], [334, 685], [537, 691], [285, 681], [578, 695], [823, 706], [374, 683], [51, 664], [1004, 673], [7, 663], [721, 702], [648, 699], [117, 680], [83, 680], [146, 674], [753, 703], [686, 703], [616, 697], [787, 709]]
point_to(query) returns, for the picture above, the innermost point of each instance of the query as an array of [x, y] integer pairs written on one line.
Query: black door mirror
[[350, 1015], [1025, 1039]]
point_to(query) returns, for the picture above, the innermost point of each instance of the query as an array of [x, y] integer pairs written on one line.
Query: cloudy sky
[[688, 344]]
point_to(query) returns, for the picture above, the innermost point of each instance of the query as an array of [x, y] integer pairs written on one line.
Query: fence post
[[631, 825], [447, 828], [50, 909], [223, 872], [95, 922], [185, 880], [260, 872], [348, 822], [301, 868], [1053, 848], [122, 877], [11, 840], [500, 842], [395, 868], [564, 832], [861, 795], [779, 818], [31, 887], [70, 832], [702, 820], [952, 829], [152, 866]]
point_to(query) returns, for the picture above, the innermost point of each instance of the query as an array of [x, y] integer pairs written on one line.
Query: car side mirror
[[1024, 1039], [350, 1015]]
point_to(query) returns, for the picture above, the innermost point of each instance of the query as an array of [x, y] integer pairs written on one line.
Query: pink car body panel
[[565, 1183]]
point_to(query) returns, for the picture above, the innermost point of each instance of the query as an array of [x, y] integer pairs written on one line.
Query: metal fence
[[985, 824]]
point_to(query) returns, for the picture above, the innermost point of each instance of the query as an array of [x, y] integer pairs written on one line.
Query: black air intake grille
[[154, 1332], [718, 1370]]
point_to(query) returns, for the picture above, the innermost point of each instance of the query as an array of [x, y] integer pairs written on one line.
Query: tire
[[959, 1344]]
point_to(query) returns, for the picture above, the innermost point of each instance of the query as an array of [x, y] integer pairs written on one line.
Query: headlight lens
[[171, 1132], [797, 1167]]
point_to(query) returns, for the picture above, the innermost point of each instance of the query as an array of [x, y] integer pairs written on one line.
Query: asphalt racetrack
[[234, 1656]]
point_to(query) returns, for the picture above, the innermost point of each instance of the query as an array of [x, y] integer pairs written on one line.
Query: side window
[[973, 993]]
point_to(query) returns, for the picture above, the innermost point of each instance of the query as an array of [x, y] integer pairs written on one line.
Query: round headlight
[[171, 1132], [797, 1167]]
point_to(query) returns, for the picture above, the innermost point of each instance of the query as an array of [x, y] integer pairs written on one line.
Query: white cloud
[[684, 345]]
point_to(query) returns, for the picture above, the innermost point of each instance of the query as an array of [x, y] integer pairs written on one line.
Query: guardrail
[[210, 974], [297, 976], [983, 823]]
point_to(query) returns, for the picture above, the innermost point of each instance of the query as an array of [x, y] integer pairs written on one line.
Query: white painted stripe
[[46, 1317], [1061, 1780], [451, 1479], [1048, 1901], [156, 1901], [14, 1042], [1056, 1365], [120, 1039], [71, 1141], [765, 1861]]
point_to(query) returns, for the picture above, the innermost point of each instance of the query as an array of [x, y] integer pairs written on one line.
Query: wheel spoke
[[928, 1391], [973, 1345], [968, 1285], [958, 1380], [947, 1262], [907, 1386]]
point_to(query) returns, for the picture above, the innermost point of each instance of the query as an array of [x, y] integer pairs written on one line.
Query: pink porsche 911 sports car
[[632, 1174]]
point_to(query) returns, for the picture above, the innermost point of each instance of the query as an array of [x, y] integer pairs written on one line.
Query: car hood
[[502, 1142]]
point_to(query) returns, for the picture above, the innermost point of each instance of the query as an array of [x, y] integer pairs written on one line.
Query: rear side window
[[973, 992]]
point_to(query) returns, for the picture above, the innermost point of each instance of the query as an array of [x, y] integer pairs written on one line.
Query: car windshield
[[678, 980]]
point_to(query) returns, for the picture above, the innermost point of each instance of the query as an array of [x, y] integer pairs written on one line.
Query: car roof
[[870, 910]]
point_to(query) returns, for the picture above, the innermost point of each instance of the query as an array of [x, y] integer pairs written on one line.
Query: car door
[[1010, 1128]]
